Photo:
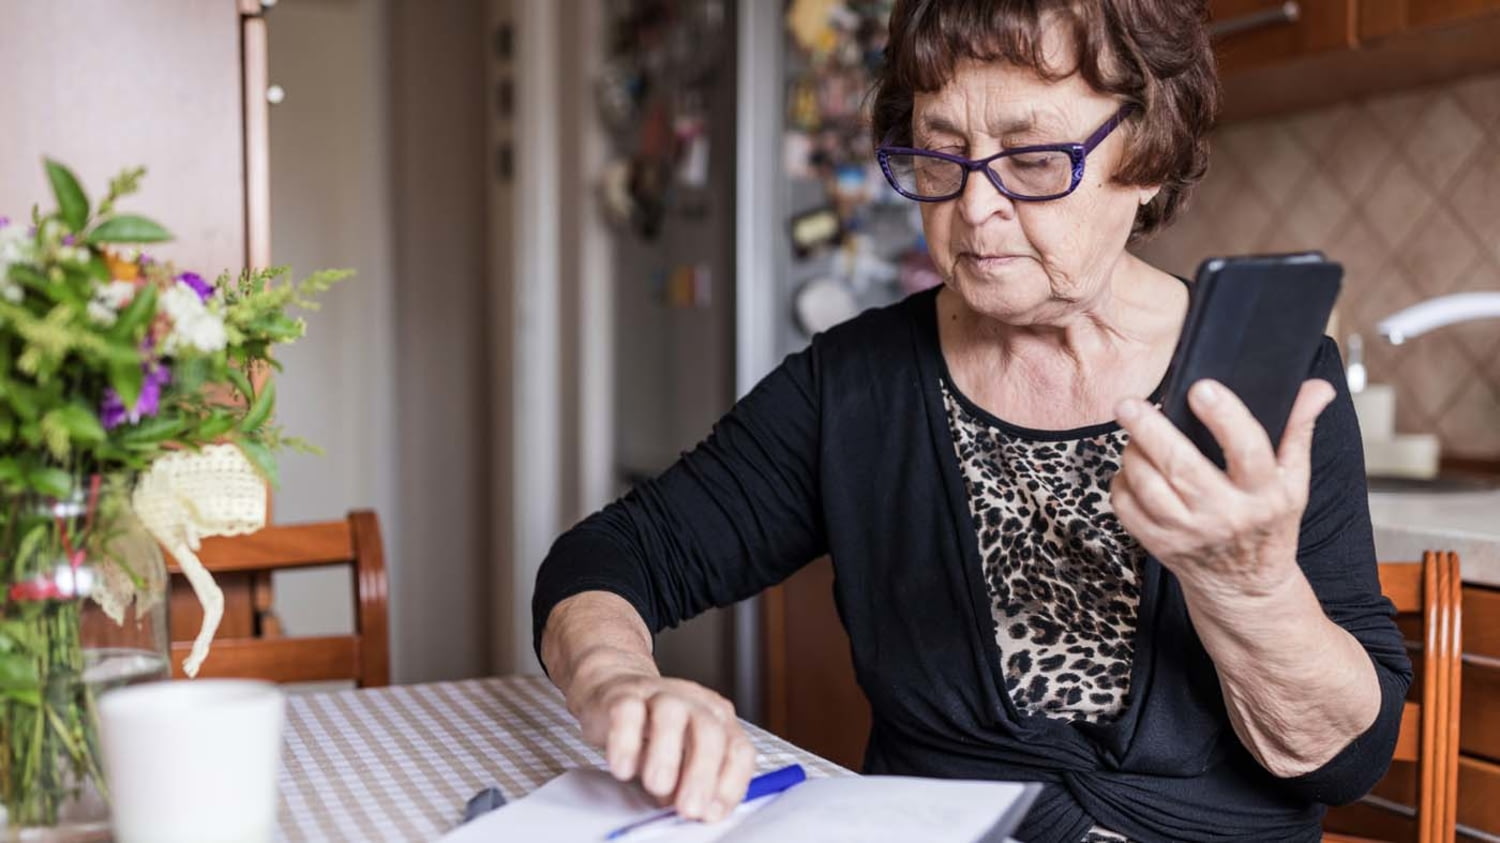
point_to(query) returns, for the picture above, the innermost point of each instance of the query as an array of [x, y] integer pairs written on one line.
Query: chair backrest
[[1428, 741], [250, 644]]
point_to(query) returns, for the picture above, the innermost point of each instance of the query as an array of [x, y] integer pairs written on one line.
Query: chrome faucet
[[1436, 313]]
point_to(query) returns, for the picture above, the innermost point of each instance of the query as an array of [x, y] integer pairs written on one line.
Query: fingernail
[[1208, 393], [1128, 410], [717, 811], [693, 806]]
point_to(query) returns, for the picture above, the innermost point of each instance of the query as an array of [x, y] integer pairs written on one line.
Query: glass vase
[[84, 610]]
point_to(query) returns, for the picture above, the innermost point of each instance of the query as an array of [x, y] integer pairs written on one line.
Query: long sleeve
[[735, 515], [1337, 553]]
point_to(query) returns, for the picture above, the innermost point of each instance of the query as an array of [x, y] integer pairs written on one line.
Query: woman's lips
[[988, 262]]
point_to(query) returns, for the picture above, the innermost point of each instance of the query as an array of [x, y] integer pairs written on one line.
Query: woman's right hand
[[682, 739]]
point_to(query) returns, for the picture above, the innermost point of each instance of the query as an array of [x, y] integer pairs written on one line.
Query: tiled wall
[[1404, 190]]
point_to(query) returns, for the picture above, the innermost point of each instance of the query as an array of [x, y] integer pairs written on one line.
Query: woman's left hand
[[1230, 532]]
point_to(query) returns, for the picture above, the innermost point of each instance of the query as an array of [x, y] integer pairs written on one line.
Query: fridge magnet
[[802, 105], [692, 146], [859, 265], [614, 193], [850, 184], [811, 24], [815, 230], [822, 303], [796, 155]]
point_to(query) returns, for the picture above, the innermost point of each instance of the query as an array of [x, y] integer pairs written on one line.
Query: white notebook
[[586, 805]]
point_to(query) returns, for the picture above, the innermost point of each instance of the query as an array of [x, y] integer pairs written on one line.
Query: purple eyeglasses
[[1024, 174]]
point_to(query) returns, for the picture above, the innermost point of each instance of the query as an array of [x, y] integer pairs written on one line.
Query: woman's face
[[1024, 263]]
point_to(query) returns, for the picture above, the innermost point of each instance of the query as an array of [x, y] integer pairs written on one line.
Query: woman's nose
[[981, 200]]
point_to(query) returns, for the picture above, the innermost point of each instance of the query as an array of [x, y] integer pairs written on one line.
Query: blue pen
[[763, 785]]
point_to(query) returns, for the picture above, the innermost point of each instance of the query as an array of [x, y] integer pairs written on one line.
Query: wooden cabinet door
[[102, 86], [1257, 33], [811, 697], [1379, 18]]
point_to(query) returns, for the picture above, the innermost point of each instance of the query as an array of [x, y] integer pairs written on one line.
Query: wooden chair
[[1418, 799], [250, 643]]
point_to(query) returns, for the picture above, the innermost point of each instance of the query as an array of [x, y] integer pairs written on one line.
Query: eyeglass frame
[[1077, 152]]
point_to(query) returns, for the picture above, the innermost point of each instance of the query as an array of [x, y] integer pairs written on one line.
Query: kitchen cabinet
[[811, 696], [176, 86], [1381, 18], [1279, 57], [1256, 33]]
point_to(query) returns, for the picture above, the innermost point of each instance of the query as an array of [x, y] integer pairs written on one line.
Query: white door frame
[[548, 470]]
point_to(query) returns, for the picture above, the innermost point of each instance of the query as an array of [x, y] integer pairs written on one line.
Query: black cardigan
[[844, 449]]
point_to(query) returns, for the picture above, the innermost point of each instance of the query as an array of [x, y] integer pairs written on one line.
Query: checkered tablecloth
[[399, 763]]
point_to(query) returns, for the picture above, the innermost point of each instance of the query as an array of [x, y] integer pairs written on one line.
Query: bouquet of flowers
[[113, 366]]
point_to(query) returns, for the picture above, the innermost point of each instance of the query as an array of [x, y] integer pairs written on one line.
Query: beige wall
[[442, 337], [1404, 190], [377, 159]]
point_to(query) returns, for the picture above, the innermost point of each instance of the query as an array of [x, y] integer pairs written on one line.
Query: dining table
[[399, 763]]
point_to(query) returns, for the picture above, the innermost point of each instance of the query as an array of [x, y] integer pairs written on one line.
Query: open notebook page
[[585, 805]]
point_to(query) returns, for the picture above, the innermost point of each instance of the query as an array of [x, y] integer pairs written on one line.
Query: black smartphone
[[1254, 324]]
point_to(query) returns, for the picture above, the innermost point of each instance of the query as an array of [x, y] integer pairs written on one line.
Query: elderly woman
[[1041, 578]]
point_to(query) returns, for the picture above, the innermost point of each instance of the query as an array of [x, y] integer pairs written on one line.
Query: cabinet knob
[[275, 93], [1288, 12]]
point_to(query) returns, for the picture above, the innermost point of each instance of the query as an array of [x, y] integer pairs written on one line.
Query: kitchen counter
[[1468, 523]]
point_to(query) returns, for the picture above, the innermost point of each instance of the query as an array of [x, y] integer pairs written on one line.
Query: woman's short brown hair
[[1153, 53]]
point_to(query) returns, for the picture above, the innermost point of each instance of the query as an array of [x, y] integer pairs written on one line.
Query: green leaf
[[152, 431], [137, 313], [72, 204], [17, 670], [241, 383], [31, 542], [127, 378], [217, 424], [127, 228], [52, 482], [81, 423], [260, 410], [264, 461], [24, 696]]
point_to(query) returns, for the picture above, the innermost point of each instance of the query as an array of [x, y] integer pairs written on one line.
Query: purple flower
[[146, 260], [113, 412], [204, 290], [4, 221], [69, 240]]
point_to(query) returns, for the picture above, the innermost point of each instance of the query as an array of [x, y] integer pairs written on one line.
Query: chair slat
[[1408, 741], [277, 659], [278, 547], [1402, 583]]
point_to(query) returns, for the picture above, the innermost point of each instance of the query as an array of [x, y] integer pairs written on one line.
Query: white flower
[[193, 324], [100, 314], [11, 292], [109, 300], [15, 247]]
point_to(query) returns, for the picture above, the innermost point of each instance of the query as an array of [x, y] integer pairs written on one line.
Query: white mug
[[192, 761]]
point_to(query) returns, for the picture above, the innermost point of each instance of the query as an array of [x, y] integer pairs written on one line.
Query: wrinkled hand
[[682, 739], [1225, 531]]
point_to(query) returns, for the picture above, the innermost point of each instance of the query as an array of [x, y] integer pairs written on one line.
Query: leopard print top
[[1062, 573]]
